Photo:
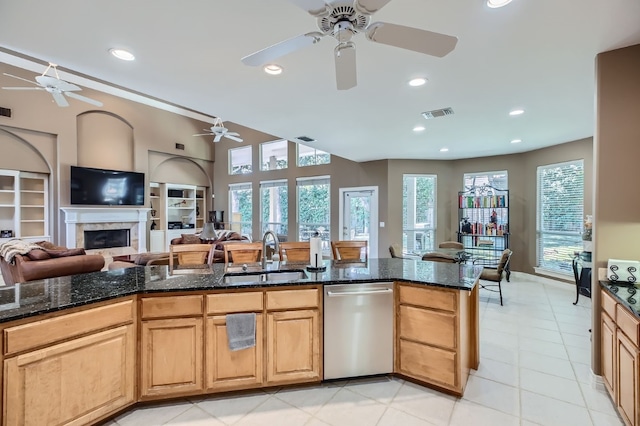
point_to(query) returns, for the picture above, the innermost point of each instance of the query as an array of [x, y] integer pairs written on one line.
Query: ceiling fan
[[218, 130], [54, 85], [344, 19]]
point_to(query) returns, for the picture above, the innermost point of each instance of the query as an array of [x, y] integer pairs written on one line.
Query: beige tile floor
[[534, 370]]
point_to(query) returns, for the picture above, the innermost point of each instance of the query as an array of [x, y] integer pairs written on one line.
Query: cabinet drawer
[[45, 332], [234, 302], [627, 323], [608, 304], [428, 298], [167, 307], [428, 363], [425, 326], [292, 299]]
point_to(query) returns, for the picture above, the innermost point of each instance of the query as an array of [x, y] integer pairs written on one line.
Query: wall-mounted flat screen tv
[[101, 187]]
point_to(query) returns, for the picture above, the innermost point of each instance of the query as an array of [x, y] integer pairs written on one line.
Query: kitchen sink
[[264, 276]]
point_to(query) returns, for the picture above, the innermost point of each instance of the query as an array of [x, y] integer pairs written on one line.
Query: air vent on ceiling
[[5, 112], [305, 139], [437, 113]]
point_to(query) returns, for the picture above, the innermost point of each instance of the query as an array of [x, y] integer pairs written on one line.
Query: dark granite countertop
[[627, 295], [55, 294]]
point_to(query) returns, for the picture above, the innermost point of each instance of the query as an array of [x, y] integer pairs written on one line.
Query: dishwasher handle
[[359, 292]]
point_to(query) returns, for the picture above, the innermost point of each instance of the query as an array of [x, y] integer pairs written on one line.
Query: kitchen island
[[98, 343]]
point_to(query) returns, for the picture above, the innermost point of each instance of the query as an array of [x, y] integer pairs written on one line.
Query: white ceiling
[[538, 55]]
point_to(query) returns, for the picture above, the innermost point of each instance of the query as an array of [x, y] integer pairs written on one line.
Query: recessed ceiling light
[[417, 82], [497, 3], [418, 128], [516, 112], [125, 55], [273, 69], [516, 141], [444, 149]]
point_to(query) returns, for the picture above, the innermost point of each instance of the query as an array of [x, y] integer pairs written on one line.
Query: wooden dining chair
[[295, 251], [242, 252], [349, 250], [451, 244], [189, 254]]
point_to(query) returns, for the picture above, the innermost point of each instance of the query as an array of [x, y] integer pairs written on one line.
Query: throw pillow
[[190, 239], [50, 246], [65, 253], [38, 255]]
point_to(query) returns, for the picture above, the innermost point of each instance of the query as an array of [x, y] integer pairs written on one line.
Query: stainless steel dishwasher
[[358, 329]]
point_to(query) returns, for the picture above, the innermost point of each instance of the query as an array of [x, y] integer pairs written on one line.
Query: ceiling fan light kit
[[55, 86], [343, 20], [218, 131]]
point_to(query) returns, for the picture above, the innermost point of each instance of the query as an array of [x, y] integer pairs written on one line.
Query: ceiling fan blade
[[23, 88], [346, 76], [233, 138], [233, 133], [218, 137], [204, 134], [369, 7], [314, 7], [285, 47], [60, 99], [83, 99], [62, 85], [422, 41], [20, 78]]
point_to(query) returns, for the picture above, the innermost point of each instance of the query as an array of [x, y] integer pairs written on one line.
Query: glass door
[[359, 216]]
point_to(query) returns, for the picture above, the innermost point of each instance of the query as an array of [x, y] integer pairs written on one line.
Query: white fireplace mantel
[[74, 216]]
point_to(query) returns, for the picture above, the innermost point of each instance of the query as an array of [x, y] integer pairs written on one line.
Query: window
[[418, 213], [499, 180], [274, 207], [560, 214], [308, 156], [314, 209], [273, 155], [241, 205], [240, 161]]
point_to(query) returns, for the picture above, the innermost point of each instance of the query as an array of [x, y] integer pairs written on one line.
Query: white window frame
[[250, 164], [316, 153], [412, 235], [560, 264], [325, 227], [244, 227], [279, 228], [273, 159]]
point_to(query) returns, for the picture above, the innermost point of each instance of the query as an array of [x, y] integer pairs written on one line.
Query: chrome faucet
[[264, 246]]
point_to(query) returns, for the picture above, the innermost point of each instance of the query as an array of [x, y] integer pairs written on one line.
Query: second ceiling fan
[[344, 19]]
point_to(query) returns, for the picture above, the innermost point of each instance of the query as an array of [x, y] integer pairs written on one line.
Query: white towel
[[9, 249], [241, 331]]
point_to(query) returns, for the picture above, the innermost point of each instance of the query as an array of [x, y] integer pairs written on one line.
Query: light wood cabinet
[[608, 345], [227, 369], [293, 346], [436, 335], [171, 352], [620, 357], [74, 382]]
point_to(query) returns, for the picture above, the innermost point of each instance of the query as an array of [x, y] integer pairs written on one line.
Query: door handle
[[358, 293]]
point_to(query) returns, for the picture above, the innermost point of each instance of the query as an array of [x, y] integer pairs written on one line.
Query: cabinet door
[[72, 383], [226, 369], [627, 379], [293, 346], [608, 357], [171, 356]]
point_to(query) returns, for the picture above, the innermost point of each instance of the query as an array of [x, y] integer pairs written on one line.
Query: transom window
[[240, 160], [498, 180], [308, 156], [273, 155]]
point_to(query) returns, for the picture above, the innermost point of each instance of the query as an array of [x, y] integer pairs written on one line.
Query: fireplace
[[106, 238]]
